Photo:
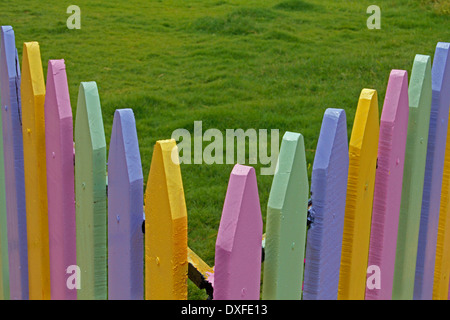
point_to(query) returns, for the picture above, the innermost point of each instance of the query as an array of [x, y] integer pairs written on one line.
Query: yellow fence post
[[166, 263], [33, 129]]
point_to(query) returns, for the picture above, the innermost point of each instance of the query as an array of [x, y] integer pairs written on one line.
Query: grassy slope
[[230, 63]]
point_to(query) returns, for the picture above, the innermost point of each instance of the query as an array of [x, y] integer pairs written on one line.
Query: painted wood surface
[[90, 190], [388, 184], [237, 269], [437, 134], [442, 255], [286, 223], [14, 167], [4, 261], [363, 150], [442, 263], [166, 265], [328, 194], [419, 94], [33, 130], [125, 211], [60, 180]]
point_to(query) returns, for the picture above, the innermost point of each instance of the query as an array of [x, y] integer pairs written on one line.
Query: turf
[[232, 64]]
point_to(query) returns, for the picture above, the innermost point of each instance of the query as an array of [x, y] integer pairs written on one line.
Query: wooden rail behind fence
[[76, 223]]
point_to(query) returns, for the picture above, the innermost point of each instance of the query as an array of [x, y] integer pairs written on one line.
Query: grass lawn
[[273, 64]]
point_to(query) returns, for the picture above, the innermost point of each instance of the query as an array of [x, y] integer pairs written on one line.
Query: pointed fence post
[[237, 270], [363, 149], [60, 180], [125, 211], [14, 167], [33, 129], [328, 193], [166, 261], [437, 136], [90, 189], [287, 209], [442, 255], [388, 184], [419, 93]]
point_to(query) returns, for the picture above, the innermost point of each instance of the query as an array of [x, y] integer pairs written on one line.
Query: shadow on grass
[[295, 5], [242, 21]]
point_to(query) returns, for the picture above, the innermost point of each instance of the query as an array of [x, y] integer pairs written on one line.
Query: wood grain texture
[[437, 134], [442, 263], [328, 194], [90, 189], [14, 167], [125, 211], [4, 260], [388, 183], [286, 223], [237, 269], [60, 180], [419, 94], [363, 150], [33, 130], [166, 265]]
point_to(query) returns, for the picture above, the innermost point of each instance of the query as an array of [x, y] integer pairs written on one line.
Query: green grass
[[270, 64], [440, 7]]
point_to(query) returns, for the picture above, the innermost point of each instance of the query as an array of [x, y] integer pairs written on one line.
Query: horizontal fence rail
[[373, 222]]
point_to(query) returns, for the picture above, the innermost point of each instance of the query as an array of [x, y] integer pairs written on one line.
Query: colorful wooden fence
[[376, 226]]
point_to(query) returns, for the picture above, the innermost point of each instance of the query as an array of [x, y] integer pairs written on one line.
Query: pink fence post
[[60, 180], [388, 184], [237, 270]]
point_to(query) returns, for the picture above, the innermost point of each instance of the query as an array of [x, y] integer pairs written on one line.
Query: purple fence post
[[328, 194], [14, 166], [125, 211], [437, 137]]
